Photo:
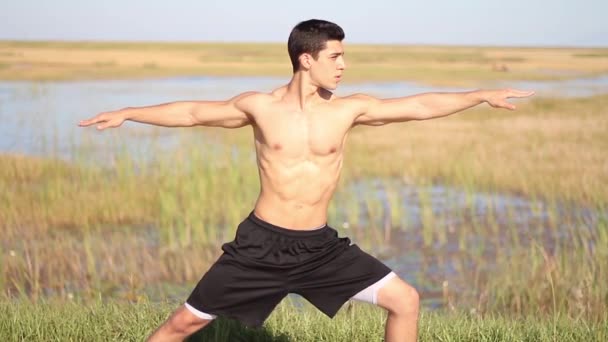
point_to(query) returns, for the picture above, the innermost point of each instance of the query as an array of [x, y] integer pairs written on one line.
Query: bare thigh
[[397, 296], [183, 319]]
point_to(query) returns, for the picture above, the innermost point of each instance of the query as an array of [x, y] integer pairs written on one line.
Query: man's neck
[[302, 91]]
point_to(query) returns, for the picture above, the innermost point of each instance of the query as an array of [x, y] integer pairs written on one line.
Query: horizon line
[[143, 41]]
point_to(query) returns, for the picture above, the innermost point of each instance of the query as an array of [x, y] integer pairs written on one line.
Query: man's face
[[326, 71]]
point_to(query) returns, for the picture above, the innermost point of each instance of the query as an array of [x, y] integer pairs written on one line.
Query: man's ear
[[305, 60]]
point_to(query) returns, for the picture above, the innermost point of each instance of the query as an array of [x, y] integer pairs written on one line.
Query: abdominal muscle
[[295, 193]]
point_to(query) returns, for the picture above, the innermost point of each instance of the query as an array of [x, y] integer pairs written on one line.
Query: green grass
[[119, 321]]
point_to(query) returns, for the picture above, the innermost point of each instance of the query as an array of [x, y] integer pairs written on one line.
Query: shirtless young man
[[285, 246]]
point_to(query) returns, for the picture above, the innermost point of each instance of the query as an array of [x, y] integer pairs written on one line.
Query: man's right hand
[[105, 120]]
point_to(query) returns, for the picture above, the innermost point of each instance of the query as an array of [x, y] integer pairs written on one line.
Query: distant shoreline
[[282, 44], [434, 65]]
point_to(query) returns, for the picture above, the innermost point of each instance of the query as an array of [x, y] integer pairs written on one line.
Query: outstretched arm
[[373, 111], [232, 113]]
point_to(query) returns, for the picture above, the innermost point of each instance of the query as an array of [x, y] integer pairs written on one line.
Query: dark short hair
[[311, 36]]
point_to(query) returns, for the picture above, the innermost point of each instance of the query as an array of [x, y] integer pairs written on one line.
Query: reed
[[128, 226]]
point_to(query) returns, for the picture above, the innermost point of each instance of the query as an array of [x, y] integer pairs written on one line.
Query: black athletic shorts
[[266, 262]]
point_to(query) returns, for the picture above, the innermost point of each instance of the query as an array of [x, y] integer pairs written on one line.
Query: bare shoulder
[[249, 101], [250, 96], [358, 97], [258, 98], [357, 103], [278, 92]]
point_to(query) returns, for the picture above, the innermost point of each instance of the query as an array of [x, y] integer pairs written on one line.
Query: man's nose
[[341, 64]]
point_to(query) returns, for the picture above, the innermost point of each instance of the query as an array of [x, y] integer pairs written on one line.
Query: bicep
[[377, 112], [231, 113]]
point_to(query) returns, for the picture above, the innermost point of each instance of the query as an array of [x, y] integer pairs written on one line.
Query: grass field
[[107, 234], [429, 64], [358, 323], [85, 230]]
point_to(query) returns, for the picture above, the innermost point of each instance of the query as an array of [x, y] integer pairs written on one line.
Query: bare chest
[[300, 135]]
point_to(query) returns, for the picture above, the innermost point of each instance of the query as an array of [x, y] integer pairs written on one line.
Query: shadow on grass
[[227, 330]]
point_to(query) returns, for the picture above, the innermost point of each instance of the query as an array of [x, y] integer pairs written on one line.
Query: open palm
[[498, 98], [104, 120]]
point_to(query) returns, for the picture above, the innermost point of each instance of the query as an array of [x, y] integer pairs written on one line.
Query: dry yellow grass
[[74, 227], [552, 149], [435, 65]]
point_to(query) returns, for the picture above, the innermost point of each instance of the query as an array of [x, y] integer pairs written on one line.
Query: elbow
[[191, 120], [421, 117], [422, 112]]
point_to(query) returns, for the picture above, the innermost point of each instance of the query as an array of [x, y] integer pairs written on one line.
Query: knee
[[408, 301], [185, 323], [402, 299], [412, 299]]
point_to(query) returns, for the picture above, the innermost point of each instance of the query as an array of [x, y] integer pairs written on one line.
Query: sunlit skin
[[300, 130]]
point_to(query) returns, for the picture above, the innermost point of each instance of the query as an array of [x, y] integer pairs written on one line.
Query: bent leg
[[181, 324], [402, 303]]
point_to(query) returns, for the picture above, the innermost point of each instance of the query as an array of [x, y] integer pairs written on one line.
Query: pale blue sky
[[469, 22]]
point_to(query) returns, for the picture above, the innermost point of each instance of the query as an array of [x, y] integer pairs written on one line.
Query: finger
[[520, 93], [84, 123], [508, 106], [103, 126], [505, 105], [90, 121], [108, 124]]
